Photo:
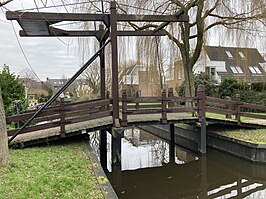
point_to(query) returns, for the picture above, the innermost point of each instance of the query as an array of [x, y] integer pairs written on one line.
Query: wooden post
[[137, 96], [170, 95], [103, 148], [3, 134], [163, 106], [124, 108], [102, 66], [172, 144], [229, 108], [108, 97], [115, 94], [202, 117], [62, 117], [117, 134], [238, 110]]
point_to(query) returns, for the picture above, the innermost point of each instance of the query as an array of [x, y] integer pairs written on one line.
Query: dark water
[[148, 170]]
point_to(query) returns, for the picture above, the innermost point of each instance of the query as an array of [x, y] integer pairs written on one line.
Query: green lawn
[[221, 116], [257, 136], [53, 172]]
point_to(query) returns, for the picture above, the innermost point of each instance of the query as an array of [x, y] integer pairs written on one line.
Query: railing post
[[170, 95], [137, 96], [108, 97], [124, 108], [163, 106], [202, 117], [238, 110], [62, 117], [229, 107]]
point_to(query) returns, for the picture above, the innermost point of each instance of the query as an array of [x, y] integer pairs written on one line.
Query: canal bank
[[189, 138]]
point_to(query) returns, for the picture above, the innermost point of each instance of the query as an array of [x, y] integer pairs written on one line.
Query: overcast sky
[[49, 57]]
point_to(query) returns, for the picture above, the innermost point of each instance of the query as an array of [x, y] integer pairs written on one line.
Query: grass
[[221, 116], [60, 171], [257, 136]]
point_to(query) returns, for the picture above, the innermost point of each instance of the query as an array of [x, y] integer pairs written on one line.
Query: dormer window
[[229, 54], [241, 54], [254, 70], [236, 69]]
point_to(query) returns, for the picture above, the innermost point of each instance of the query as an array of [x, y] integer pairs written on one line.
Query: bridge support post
[[103, 148], [203, 184], [172, 144], [117, 134], [115, 94], [202, 117]]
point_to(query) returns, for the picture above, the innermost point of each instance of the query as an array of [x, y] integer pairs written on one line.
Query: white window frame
[[238, 68], [233, 69], [229, 54], [252, 70], [241, 55], [257, 69]]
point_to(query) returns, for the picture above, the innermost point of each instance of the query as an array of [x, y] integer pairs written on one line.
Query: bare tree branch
[[5, 2]]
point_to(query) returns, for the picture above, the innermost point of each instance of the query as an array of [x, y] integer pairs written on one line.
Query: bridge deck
[[47, 135]]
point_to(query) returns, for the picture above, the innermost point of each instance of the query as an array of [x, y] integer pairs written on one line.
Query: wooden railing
[[70, 113], [234, 107], [59, 116], [156, 105]]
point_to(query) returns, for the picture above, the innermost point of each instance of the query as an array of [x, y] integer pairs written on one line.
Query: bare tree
[[189, 37], [3, 135]]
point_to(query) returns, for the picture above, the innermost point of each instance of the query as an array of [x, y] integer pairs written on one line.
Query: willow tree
[[236, 15]]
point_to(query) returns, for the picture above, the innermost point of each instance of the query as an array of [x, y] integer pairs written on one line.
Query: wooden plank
[[253, 106], [90, 105], [253, 115], [58, 17], [220, 111], [219, 101], [146, 111], [144, 100], [224, 106], [181, 110], [34, 128], [26, 116], [89, 117], [182, 99]]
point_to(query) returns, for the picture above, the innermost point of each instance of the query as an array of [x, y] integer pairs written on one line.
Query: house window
[[212, 71], [236, 69], [233, 69], [241, 55], [229, 54], [254, 70], [239, 69]]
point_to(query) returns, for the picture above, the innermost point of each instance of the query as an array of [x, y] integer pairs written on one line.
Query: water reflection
[[146, 171]]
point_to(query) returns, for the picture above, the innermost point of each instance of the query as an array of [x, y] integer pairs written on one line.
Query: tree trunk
[[3, 135]]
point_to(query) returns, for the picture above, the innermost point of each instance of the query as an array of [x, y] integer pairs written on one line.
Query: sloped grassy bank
[[59, 171]]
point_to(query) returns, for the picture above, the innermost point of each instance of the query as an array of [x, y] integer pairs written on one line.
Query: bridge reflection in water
[[154, 168]]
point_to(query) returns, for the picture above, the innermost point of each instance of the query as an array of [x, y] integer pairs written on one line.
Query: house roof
[[220, 53]]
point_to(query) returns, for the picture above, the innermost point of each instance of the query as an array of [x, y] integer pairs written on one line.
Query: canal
[[151, 167]]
